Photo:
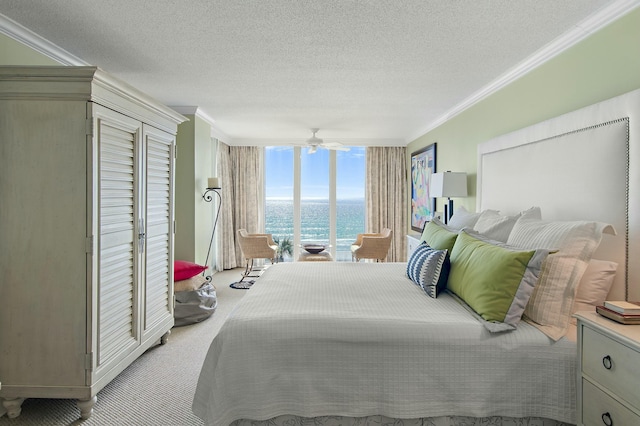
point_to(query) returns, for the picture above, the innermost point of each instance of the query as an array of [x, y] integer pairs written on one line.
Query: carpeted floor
[[155, 390]]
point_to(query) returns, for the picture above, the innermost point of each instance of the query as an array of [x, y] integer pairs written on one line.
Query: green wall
[[184, 247], [194, 164], [15, 53], [602, 66]]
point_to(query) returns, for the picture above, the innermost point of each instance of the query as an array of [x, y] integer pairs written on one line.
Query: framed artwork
[[423, 206]]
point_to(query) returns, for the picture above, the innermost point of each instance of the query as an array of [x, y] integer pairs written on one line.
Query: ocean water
[[314, 214]]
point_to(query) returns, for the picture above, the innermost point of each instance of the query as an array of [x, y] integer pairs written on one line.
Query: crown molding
[[220, 135], [198, 112], [12, 29], [581, 31]]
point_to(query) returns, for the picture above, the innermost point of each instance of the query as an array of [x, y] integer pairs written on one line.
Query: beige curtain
[[240, 169], [386, 189], [226, 247]]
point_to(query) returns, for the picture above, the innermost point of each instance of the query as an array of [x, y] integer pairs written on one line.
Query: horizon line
[[311, 198]]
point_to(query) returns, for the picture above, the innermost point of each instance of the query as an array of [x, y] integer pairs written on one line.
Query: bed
[[349, 343]]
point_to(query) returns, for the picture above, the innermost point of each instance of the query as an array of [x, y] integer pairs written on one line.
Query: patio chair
[[372, 246]]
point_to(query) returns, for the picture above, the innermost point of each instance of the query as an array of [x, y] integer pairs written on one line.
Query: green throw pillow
[[438, 236], [495, 280]]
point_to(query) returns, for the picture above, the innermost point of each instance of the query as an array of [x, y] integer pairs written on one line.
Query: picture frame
[[423, 206]]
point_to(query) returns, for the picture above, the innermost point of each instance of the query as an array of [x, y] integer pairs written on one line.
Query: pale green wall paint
[[600, 67], [184, 246], [204, 168], [15, 53], [195, 163]]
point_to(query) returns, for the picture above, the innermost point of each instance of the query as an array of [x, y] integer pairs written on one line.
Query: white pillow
[[462, 218], [549, 308], [497, 227], [594, 285]]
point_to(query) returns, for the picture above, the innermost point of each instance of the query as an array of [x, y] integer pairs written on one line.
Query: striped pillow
[[549, 308], [429, 268]]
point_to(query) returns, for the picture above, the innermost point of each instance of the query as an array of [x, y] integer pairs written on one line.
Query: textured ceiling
[[273, 69]]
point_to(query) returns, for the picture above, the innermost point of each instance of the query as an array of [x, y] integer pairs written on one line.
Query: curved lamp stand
[[208, 198]]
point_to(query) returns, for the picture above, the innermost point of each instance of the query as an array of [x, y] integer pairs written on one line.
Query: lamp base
[[448, 211]]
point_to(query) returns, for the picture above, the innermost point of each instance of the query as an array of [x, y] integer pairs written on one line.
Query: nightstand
[[413, 241], [608, 388]]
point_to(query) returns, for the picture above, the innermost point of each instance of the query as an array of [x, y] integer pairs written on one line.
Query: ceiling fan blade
[[334, 145], [334, 148], [314, 142]]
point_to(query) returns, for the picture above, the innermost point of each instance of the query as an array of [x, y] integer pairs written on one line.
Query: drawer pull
[[607, 420], [606, 361]]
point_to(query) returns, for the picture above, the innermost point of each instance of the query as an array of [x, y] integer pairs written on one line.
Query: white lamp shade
[[448, 184]]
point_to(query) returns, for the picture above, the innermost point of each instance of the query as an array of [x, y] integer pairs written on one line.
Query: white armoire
[[86, 231]]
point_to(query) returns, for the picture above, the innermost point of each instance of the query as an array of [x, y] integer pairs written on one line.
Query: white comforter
[[356, 339]]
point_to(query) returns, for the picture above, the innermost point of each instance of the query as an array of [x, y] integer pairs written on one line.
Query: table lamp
[[448, 184]]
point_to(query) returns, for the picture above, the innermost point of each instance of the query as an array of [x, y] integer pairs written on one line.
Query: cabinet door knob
[[606, 361], [607, 420]]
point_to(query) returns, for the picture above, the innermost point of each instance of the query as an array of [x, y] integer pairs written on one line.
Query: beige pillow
[[189, 284], [549, 308], [594, 285]]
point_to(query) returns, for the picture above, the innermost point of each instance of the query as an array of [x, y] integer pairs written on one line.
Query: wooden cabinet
[[87, 226], [608, 375]]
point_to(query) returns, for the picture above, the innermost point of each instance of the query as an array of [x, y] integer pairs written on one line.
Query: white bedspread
[[356, 339]]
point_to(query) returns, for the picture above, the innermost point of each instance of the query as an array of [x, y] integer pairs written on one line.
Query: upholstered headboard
[[584, 165]]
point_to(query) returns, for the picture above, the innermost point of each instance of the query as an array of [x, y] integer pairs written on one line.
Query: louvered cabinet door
[[157, 258], [116, 210]]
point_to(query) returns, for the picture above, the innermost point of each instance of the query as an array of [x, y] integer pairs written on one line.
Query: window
[[278, 209], [314, 198], [350, 199]]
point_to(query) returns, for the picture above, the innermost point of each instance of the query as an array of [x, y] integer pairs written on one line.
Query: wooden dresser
[[87, 230], [608, 389]]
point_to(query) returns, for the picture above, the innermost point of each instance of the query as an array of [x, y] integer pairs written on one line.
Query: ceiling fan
[[314, 142]]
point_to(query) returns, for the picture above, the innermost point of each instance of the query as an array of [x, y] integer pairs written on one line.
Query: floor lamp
[[212, 186], [448, 184]]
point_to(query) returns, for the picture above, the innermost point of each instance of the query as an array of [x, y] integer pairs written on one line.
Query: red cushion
[[183, 270]]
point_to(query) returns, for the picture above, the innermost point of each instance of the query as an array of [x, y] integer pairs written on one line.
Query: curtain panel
[[386, 189], [226, 245], [241, 171]]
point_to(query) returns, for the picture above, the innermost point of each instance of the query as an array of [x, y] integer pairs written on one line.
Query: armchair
[[372, 246], [256, 246]]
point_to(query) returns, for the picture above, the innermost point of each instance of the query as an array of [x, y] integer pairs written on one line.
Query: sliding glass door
[[350, 199], [315, 198]]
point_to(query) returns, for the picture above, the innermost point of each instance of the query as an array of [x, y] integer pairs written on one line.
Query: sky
[[314, 173]]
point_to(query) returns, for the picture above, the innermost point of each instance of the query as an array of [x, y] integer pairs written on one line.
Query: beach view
[[315, 222]]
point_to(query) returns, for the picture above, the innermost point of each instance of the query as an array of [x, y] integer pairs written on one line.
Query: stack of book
[[620, 311]]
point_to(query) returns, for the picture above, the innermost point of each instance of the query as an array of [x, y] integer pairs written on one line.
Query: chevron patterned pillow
[[429, 268]]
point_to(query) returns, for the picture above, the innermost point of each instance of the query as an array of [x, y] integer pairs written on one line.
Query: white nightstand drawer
[[600, 409], [612, 365], [413, 241]]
